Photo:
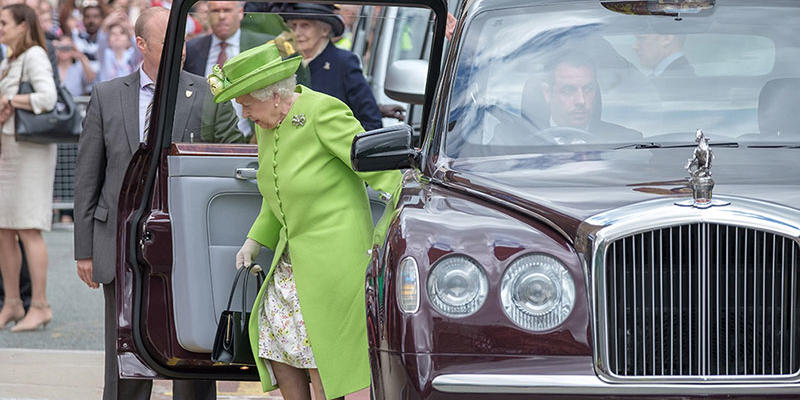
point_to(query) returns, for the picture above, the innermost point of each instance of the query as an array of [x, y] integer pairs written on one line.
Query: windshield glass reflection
[[545, 79]]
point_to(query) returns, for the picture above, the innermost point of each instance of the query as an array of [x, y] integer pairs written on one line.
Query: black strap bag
[[62, 124], [232, 341]]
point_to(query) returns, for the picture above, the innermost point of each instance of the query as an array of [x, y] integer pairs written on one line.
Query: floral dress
[[282, 335]]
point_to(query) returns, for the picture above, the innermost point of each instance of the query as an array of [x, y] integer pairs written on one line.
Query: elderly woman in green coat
[[308, 320]]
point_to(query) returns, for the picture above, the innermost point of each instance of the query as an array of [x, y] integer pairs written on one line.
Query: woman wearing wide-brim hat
[[334, 71], [309, 318]]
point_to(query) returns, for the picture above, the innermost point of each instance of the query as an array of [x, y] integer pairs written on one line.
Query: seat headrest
[[779, 107]]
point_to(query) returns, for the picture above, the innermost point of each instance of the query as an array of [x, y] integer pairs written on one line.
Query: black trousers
[[117, 388]]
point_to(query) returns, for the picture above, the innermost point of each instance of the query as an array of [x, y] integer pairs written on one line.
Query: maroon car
[[605, 205]]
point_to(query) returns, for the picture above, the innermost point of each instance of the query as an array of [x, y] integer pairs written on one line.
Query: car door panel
[[211, 212]]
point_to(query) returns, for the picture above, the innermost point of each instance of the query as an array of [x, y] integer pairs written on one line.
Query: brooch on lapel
[[326, 66], [298, 120], [188, 94]]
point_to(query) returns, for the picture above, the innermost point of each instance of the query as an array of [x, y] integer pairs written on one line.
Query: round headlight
[[408, 286], [537, 292], [457, 286]]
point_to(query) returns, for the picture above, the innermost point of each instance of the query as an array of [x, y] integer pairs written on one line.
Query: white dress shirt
[[145, 96], [232, 50]]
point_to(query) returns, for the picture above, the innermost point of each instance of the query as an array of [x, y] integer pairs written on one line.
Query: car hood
[[567, 188]]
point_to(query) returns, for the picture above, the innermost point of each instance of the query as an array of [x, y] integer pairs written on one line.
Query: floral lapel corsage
[[217, 80], [298, 120]]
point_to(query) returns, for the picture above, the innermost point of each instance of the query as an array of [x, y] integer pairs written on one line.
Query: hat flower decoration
[[217, 80]]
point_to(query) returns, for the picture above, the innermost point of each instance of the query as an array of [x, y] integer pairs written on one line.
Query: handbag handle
[[259, 279], [233, 288], [22, 71], [244, 291]]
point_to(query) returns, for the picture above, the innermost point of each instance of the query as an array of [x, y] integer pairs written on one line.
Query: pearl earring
[[276, 105]]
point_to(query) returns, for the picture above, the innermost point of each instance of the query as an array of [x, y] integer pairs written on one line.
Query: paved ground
[[65, 361], [77, 310]]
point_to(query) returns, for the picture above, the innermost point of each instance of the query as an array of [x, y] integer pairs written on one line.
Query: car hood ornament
[[699, 167]]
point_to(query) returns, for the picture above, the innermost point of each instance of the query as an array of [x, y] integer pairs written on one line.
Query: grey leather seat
[[779, 107]]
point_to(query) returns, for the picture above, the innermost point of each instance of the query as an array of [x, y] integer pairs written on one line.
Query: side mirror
[[384, 149], [405, 81]]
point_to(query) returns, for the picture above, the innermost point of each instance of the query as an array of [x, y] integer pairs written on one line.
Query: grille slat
[[653, 301], [792, 307], [661, 296], [723, 282], [783, 297], [624, 314]]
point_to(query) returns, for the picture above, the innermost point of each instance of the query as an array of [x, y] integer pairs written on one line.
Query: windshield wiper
[[774, 146], [654, 145]]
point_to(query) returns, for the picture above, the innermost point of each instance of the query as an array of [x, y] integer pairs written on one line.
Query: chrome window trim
[[598, 231]]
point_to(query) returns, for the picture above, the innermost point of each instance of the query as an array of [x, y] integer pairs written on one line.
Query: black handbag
[[62, 124], [232, 341]]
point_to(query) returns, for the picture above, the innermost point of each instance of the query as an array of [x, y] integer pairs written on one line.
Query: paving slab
[[31, 374], [65, 361]]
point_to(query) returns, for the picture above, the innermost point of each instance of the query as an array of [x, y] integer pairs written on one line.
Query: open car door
[[184, 211]]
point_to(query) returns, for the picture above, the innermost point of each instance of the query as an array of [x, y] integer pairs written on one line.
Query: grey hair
[[324, 25], [283, 88]]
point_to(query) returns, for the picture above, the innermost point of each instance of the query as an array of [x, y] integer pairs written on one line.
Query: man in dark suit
[[115, 125], [664, 55], [226, 40], [572, 95]]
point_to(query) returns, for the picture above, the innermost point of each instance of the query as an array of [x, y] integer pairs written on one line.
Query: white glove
[[248, 253]]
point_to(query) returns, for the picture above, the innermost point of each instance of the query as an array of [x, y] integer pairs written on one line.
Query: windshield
[[539, 79]]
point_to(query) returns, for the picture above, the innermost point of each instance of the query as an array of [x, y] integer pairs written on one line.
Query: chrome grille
[[701, 300]]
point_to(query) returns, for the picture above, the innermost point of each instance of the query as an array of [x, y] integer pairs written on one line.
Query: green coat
[[314, 203]]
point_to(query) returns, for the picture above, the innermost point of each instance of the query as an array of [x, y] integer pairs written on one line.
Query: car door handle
[[246, 174]]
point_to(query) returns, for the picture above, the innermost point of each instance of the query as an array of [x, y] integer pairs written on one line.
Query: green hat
[[251, 70]]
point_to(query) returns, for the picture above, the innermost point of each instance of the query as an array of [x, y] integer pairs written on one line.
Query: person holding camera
[[73, 67]]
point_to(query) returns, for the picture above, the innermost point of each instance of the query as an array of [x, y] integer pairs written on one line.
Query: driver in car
[[572, 95]]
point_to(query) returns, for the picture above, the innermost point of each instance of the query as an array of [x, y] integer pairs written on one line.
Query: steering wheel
[[567, 135], [533, 136]]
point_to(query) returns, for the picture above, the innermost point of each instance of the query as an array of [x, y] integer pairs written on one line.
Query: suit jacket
[[110, 137], [197, 49], [672, 82], [611, 131], [679, 68], [337, 73]]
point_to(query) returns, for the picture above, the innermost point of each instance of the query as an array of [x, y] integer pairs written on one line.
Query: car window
[[410, 32], [712, 54], [536, 79], [366, 35]]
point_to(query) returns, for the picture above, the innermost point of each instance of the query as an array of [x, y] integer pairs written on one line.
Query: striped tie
[[222, 57], [150, 88]]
